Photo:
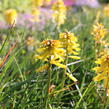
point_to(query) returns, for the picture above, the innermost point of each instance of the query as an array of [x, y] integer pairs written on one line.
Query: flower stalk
[[48, 85]]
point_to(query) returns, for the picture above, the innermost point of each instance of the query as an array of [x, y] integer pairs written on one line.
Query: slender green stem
[[48, 85], [89, 88], [105, 97], [63, 77], [107, 103], [65, 70]]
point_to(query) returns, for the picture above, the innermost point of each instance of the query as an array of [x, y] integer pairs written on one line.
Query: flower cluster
[[11, 16], [102, 69], [99, 32], [35, 12], [55, 51], [37, 3], [59, 14], [106, 10], [35, 15], [69, 43], [102, 61], [50, 51]]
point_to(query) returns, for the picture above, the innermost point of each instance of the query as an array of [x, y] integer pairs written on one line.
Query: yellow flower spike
[[98, 32], [11, 16], [71, 77], [102, 69], [106, 10], [70, 44], [36, 14], [47, 0], [37, 3], [59, 14], [50, 50]]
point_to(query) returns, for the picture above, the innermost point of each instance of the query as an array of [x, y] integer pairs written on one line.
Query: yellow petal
[[98, 61], [58, 64], [74, 57], [71, 77], [99, 77], [97, 69]]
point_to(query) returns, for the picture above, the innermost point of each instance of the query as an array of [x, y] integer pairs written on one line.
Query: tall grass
[[22, 87]]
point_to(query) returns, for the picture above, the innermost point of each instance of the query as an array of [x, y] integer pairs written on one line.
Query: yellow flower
[[11, 16], [36, 14], [71, 77], [69, 43], [98, 32], [59, 14], [106, 10], [50, 51], [102, 69], [37, 3], [47, 0]]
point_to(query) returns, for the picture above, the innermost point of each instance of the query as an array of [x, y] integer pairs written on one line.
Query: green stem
[[63, 77], [105, 98], [48, 85]]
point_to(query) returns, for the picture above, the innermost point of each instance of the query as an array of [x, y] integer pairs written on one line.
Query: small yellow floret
[[106, 10], [70, 44], [11, 16], [102, 70], [98, 32], [37, 3], [59, 14]]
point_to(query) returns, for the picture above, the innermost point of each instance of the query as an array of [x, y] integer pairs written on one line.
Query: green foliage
[[104, 1], [21, 87]]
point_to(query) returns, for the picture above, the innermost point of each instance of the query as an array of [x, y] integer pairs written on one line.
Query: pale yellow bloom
[[36, 14], [37, 3], [59, 14], [11, 16], [47, 2], [98, 32], [50, 50], [70, 44], [106, 10], [102, 70]]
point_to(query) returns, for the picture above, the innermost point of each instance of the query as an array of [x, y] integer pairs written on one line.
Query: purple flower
[[25, 19], [90, 3], [68, 2]]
